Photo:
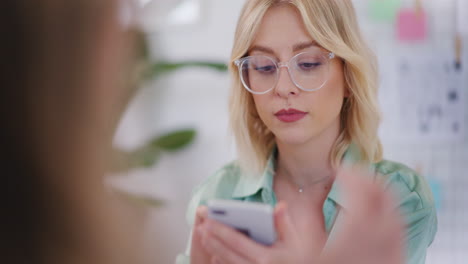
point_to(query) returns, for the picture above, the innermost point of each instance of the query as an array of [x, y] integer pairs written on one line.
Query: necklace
[[301, 187]]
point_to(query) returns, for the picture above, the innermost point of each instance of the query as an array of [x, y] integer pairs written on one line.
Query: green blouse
[[415, 198]]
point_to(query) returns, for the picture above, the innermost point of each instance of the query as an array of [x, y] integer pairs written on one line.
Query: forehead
[[282, 29]]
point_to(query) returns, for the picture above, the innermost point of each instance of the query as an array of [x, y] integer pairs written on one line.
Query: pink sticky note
[[412, 25]]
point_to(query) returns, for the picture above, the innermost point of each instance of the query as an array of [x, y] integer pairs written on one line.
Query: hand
[[228, 246], [370, 229], [198, 254]]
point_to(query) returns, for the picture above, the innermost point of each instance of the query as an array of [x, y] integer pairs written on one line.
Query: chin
[[291, 137]]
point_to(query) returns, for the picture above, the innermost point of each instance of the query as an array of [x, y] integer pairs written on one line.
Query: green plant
[[148, 155], [141, 69]]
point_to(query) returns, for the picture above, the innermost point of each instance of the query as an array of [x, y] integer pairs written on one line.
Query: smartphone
[[255, 220]]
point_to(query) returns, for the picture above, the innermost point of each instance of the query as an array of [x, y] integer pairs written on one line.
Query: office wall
[[198, 98]]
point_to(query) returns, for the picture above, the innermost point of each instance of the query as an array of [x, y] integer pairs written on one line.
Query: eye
[[265, 69], [308, 65]]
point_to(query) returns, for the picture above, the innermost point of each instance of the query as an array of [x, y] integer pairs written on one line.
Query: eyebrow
[[262, 49], [296, 47], [304, 45]]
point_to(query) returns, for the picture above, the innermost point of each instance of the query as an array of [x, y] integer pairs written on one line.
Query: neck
[[307, 162]]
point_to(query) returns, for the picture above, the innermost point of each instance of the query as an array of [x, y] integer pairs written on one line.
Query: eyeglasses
[[309, 71]]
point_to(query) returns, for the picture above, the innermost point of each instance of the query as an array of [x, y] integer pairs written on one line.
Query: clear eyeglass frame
[[239, 63]]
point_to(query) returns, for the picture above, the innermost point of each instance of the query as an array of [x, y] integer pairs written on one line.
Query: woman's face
[[282, 35]]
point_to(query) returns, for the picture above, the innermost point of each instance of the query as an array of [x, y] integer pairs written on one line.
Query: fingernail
[[281, 209], [199, 210]]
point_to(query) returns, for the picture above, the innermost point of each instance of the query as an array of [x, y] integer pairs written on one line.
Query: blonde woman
[[303, 103]]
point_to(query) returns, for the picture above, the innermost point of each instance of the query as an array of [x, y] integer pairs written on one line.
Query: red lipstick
[[290, 115]]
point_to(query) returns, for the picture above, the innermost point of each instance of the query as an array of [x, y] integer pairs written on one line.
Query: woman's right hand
[[214, 242]]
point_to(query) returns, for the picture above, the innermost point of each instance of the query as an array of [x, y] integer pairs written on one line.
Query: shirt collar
[[251, 184]]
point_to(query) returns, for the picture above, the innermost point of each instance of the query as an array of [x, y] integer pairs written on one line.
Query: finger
[[234, 240], [360, 191], [353, 177], [198, 254], [216, 260], [283, 222], [201, 214], [220, 252]]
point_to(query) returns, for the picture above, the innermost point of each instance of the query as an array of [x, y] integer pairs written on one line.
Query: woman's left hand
[[228, 246]]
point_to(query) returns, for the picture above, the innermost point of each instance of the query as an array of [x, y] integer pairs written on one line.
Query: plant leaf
[[145, 157], [175, 140], [156, 69]]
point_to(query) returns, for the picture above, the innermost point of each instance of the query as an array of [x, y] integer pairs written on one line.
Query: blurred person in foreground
[[304, 110], [61, 66]]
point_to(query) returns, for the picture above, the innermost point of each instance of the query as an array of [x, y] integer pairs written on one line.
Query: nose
[[285, 85]]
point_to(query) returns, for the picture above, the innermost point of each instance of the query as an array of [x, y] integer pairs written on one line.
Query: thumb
[[200, 215], [283, 222]]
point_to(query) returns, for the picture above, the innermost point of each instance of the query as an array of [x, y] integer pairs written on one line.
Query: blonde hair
[[333, 25]]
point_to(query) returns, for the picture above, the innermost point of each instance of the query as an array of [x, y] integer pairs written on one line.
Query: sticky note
[[384, 10], [411, 25]]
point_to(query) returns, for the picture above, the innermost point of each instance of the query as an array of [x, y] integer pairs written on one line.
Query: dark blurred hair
[[53, 131]]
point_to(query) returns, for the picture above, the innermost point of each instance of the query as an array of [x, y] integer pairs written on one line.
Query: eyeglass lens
[[309, 71]]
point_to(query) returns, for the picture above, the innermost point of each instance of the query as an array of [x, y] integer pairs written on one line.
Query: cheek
[[329, 99], [260, 104], [264, 110]]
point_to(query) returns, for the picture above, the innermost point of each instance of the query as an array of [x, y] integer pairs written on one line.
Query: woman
[[303, 103]]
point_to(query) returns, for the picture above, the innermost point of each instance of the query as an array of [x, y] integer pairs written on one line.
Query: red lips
[[290, 115]]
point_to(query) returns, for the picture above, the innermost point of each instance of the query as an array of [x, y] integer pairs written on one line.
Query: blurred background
[[177, 120]]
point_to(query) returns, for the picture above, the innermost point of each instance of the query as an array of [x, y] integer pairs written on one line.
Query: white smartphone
[[253, 219]]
